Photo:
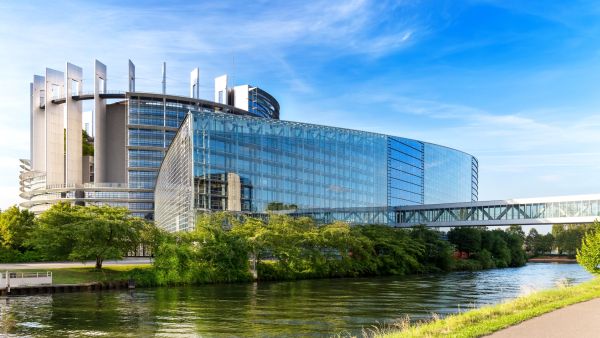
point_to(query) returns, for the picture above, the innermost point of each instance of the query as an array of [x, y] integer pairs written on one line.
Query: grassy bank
[[489, 319], [89, 275]]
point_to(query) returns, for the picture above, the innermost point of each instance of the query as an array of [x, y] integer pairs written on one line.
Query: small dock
[[30, 283], [60, 288]]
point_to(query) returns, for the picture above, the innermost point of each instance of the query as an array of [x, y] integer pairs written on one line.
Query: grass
[[88, 275], [488, 319]]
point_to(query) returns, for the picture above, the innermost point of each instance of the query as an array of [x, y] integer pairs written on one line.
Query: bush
[[589, 253]]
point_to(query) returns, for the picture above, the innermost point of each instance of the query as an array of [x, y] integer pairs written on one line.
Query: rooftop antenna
[[164, 78]]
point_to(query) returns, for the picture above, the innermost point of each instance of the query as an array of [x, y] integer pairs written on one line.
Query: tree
[[568, 237], [517, 231], [223, 252], [73, 232], [104, 232], [15, 227], [253, 231], [545, 244], [465, 239], [531, 240], [54, 237], [589, 253], [87, 144]]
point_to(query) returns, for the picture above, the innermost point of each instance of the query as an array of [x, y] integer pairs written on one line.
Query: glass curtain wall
[[261, 161], [448, 175]]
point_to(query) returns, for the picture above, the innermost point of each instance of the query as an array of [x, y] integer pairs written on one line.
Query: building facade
[[132, 132], [247, 164], [170, 157]]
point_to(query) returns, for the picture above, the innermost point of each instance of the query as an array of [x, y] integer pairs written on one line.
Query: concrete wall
[[99, 122], [115, 165], [234, 192], [86, 163], [221, 87], [55, 145], [74, 125], [241, 96], [38, 124]]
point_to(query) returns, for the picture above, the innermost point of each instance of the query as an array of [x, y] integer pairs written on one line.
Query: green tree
[[589, 253], [530, 241], [91, 232], [87, 145], [466, 239], [437, 254], [517, 231], [568, 237], [224, 252], [545, 244], [16, 226], [253, 231], [104, 232], [54, 235]]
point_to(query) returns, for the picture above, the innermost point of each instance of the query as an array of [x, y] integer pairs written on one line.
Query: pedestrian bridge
[[526, 211]]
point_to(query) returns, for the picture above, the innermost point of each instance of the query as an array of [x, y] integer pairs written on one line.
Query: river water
[[302, 308]]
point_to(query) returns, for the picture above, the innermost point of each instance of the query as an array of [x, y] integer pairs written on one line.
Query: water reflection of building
[[223, 191]]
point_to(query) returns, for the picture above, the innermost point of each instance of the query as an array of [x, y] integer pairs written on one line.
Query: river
[[301, 308]]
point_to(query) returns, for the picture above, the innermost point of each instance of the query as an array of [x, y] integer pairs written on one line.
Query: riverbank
[[317, 307], [552, 259], [86, 275], [489, 319]]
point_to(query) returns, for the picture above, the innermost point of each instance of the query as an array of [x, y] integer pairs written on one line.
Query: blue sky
[[515, 83]]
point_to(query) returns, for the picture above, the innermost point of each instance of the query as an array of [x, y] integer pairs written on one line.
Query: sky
[[514, 83]]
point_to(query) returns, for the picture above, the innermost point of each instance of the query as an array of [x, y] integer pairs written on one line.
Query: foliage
[[516, 230], [465, 239], [53, 236], [73, 232], [224, 248], [567, 238], [536, 244], [209, 254], [15, 228], [588, 255], [491, 248], [87, 144], [103, 232]]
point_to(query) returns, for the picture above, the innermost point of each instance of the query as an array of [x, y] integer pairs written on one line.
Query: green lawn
[[488, 319], [88, 275]]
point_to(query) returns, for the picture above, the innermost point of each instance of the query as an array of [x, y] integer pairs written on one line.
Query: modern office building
[[241, 163], [132, 131], [173, 156]]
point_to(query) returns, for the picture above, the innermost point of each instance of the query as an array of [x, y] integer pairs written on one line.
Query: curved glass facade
[[262, 104], [242, 163], [152, 123]]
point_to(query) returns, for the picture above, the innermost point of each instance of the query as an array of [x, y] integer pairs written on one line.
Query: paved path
[[579, 320], [58, 265]]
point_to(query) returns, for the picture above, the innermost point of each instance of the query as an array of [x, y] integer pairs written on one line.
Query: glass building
[[221, 161], [132, 132], [167, 157]]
